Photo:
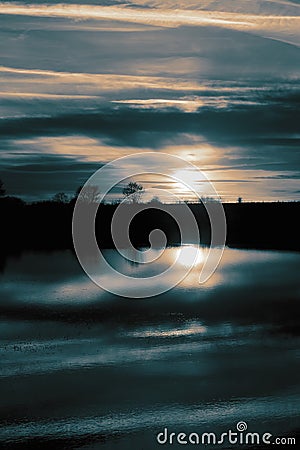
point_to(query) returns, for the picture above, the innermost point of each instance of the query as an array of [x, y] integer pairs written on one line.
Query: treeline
[[47, 225]]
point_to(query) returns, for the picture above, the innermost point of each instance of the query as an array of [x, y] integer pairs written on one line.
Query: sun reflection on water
[[189, 256]]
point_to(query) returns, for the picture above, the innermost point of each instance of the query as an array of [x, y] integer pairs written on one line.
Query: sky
[[215, 82]]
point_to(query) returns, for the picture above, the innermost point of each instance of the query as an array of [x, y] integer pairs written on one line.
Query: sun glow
[[188, 181], [190, 256]]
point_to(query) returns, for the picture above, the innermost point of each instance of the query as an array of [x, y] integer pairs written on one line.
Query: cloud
[[283, 24], [86, 84], [270, 123], [40, 175], [281, 176]]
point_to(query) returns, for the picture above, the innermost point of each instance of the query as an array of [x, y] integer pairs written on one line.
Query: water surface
[[81, 368]]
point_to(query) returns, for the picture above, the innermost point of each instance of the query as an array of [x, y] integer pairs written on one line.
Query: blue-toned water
[[81, 368]]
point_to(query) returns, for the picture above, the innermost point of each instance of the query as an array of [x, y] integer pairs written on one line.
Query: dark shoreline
[[48, 225]]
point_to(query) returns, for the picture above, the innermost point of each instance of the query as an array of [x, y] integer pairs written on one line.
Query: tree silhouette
[[155, 200], [60, 197], [88, 194], [2, 189], [207, 200], [133, 192]]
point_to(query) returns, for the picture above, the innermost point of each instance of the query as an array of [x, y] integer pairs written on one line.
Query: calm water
[[81, 368]]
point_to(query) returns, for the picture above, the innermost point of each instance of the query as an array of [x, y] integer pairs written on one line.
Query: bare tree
[[88, 194], [133, 192], [240, 200], [2, 189]]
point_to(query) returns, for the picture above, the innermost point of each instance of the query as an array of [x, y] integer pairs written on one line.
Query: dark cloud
[[262, 137], [38, 176], [260, 125], [285, 176]]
